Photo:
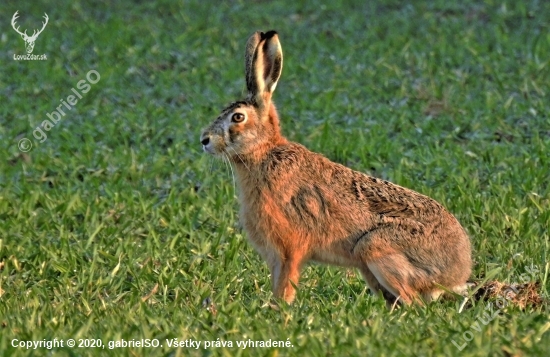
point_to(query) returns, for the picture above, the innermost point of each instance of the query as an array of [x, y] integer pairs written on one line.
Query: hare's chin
[[208, 150], [212, 151]]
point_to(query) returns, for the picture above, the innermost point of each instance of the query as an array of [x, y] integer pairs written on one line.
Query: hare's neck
[[248, 167], [248, 175]]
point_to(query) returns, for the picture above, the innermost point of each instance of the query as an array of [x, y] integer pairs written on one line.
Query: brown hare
[[298, 206]]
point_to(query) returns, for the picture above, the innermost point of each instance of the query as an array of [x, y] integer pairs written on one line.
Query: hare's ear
[[264, 63]]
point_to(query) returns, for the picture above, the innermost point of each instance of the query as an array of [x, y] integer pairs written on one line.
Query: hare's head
[[251, 124]]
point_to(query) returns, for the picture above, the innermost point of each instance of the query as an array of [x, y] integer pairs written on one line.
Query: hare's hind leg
[[436, 293], [375, 286], [389, 266], [432, 295], [393, 273]]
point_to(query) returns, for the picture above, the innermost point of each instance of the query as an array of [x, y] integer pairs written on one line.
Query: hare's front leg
[[285, 273]]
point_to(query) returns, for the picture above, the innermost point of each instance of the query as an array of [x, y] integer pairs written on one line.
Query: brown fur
[[298, 206]]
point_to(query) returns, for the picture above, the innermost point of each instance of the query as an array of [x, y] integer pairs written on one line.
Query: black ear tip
[[268, 34]]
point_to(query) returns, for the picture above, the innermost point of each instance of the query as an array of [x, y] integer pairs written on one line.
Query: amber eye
[[237, 118]]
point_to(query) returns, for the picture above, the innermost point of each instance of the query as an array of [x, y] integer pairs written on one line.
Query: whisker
[[224, 162], [226, 155], [210, 164], [240, 158]]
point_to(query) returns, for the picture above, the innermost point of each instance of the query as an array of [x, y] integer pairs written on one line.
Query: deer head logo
[[29, 40]]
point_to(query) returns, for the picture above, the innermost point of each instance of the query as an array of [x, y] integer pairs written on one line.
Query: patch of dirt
[[520, 295]]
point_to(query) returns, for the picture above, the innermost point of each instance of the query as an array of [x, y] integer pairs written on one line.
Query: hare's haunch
[[298, 206]]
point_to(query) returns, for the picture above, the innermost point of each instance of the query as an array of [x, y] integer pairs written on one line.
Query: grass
[[117, 226]]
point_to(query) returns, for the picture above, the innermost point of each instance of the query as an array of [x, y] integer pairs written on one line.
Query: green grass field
[[117, 226]]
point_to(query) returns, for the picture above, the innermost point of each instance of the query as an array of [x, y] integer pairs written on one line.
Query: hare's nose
[[205, 140]]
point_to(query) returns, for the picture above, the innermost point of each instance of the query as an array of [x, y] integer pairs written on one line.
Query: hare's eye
[[237, 118]]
